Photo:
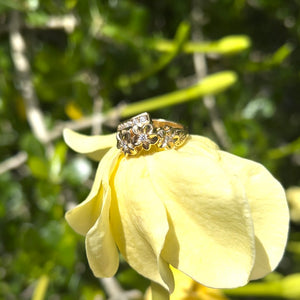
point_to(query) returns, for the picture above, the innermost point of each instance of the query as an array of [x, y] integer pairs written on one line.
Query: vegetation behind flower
[[87, 57]]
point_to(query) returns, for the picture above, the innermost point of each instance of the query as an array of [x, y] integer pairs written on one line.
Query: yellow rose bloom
[[220, 219]]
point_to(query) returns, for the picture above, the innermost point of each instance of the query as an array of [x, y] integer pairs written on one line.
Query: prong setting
[[143, 133]]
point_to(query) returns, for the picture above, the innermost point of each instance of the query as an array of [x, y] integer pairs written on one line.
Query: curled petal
[[139, 221], [211, 236], [101, 249], [83, 216], [94, 147], [269, 211]]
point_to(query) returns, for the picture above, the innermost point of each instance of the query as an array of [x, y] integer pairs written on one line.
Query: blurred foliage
[[137, 53]]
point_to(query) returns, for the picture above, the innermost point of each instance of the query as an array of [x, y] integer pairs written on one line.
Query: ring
[[141, 133]]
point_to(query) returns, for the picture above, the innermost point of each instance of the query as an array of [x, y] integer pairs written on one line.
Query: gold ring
[[141, 133]]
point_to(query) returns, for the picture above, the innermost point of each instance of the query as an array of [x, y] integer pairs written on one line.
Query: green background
[[89, 57]]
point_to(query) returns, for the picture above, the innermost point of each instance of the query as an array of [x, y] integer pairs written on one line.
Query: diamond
[[143, 119], [143, 137]]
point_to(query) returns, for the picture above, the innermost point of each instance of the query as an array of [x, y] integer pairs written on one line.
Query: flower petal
[[197, 144], [139, 221], [187, 288], [83, 216], [293, 197], [211, 234], [269, 211], [94, 147], [101, 248]]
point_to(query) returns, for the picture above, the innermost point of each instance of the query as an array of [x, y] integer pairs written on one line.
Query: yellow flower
[[293, 197], [188, 289], [220, 219]]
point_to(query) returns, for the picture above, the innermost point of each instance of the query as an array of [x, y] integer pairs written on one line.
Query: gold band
[[141, 132], [162, 123]]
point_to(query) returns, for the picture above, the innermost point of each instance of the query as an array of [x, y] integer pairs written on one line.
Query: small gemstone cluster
[[139, 133]]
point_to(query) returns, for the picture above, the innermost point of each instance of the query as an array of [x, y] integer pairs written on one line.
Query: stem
[[158, 292], [21, 63], [13, 162], [212, 84]]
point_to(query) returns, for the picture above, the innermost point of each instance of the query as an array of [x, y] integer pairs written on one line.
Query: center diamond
[[143, 137]]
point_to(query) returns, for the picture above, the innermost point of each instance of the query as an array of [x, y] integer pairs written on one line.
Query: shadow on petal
[[171, 242], [211, 235], [139, 221], [269, 211], [262, 262], [101, 249]]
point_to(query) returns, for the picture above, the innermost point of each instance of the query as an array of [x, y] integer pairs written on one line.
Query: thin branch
[[34, 114], [201, 71], [83, 123], [110, 118], [94, 91], [97, 108], [13, 162], [66, 22], [24, 79], [115, 291]]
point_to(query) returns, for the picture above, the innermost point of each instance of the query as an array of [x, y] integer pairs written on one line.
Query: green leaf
[[288, 149], [129, 279], [39, 167], [57, 161], [12, 4], [70, 3], [46, 194], [287, 287], [294, 247], [180, 37], [280, 55], [41, 288], [228, 45], [31, 145], [276, 59], [212, 84], [37, 18]]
